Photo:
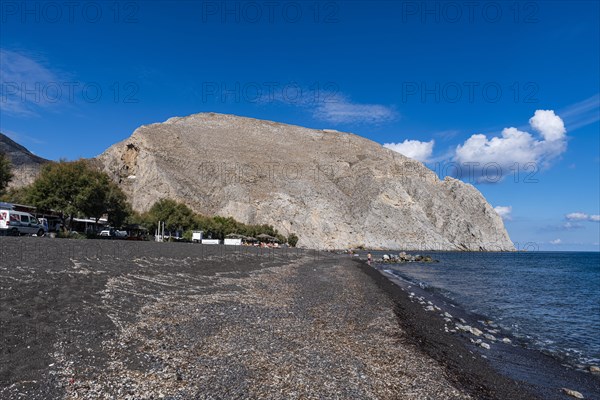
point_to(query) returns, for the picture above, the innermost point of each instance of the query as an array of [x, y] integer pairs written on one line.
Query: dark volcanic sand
[[103, 319]]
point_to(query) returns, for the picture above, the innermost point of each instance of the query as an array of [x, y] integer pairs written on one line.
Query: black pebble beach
[[140, 320]]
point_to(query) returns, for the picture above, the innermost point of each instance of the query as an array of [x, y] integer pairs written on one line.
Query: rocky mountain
[[25, 165], [333, 189]]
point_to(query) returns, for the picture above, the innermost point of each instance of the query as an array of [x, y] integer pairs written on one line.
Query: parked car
[[112, 232], [16, 223]]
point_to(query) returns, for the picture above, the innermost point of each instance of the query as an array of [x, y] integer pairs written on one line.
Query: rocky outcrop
[[26, 166], [333, 189], [404, 258]]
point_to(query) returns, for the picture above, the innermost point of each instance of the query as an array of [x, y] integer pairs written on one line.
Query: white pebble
[[476, 332], [573, 393]]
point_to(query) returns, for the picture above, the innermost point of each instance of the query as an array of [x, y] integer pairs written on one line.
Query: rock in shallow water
[[489, 337], [476, 332], [573, 393]]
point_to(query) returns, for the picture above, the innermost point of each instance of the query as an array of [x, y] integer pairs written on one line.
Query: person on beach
[[369, 258]]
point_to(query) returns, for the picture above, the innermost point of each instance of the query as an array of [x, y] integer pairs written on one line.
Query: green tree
[[16, 195], [210, 227], [134, 217], [176, 216], [117, 207], [292, 239], [76, 189], [5, 173]]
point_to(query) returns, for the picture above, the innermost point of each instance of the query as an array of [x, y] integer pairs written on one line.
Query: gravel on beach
[[105, 320]]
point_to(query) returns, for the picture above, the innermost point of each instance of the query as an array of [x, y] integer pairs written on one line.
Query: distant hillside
[[332, 189], [26, 165]]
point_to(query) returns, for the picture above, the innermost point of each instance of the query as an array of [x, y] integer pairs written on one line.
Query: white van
[[18, 223]]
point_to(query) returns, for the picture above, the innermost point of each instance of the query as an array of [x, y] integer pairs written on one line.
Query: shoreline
[[519, 369], [541, 331], [484, 322]]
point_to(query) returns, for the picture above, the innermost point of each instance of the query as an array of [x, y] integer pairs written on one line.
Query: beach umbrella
[[263, 237]]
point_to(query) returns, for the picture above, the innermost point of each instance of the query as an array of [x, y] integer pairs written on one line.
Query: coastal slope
[[333, 189], [26, 166]]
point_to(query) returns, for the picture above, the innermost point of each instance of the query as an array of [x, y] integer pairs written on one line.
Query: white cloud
[[565, 226], [581, 114], [556, 241], [414, 149], [340, 110], [548, 124], [21, 138], [25, 84], [489, 160], [579, 216], [570, 226], [504, 212]]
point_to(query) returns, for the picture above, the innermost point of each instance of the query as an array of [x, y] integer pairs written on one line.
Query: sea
[[548, 301]]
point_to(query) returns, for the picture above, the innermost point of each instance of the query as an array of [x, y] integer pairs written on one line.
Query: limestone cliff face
[[26, 166], [333, 189]]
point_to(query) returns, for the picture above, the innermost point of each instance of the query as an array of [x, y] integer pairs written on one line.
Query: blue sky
[[422, 78]]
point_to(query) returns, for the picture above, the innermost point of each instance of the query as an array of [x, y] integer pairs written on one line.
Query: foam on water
[[549, 300]]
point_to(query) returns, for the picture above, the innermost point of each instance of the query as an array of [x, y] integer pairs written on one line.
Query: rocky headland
[[332, 189]]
